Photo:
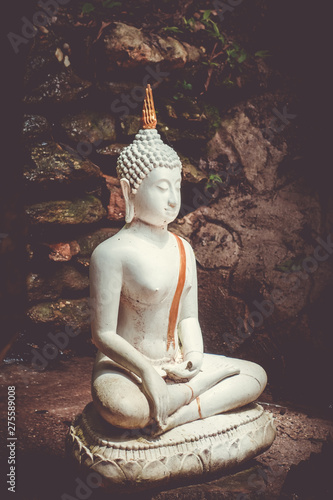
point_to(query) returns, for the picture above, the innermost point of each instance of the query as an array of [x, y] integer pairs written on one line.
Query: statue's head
[[150, 173]]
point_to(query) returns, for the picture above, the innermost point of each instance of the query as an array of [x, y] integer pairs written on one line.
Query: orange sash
[[173, 315]]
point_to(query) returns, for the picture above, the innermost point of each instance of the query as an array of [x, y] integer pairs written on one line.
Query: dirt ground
[[297, 466]]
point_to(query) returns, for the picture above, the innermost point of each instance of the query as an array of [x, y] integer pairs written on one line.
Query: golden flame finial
[[148, 119]]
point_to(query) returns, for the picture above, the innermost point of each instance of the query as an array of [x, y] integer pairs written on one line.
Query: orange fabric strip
[[199, 407], [192, 396], [179, 290]]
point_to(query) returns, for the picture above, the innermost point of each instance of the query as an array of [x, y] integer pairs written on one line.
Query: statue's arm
[[106, 276]]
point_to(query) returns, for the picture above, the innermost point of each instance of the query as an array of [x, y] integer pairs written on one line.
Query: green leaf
[[216, 28], [290, 265], [187, 86], [228, 82], [109, 4], [215, 178], [173, 29], [206, 15], [189, 23], [242, 57], [262, 53], [232, 53], [87, 8]]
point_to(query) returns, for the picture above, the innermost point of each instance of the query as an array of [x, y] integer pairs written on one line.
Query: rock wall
[[260, 228]]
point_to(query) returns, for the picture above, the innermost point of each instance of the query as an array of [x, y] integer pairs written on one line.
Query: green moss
[[79, 211]]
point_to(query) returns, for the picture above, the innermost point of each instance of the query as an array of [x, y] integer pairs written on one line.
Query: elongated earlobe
[[128, 197]]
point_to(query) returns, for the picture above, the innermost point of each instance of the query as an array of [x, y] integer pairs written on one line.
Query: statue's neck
[[155, 234]]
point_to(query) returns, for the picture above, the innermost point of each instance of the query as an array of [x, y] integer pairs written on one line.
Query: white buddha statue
[[150, 370]]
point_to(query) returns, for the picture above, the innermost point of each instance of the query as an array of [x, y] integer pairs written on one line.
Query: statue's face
[[157, 200]]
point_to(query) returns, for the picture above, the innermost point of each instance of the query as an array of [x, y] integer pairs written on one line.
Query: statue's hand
[[156, 391], [185, 370]]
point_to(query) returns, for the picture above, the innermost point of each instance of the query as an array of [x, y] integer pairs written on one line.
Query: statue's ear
[[128, 196]]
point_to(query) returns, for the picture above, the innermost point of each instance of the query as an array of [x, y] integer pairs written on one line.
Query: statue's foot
[[207, 379]]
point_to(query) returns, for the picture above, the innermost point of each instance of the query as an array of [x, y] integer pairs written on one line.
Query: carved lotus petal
[[191, 464], [111, 470], [131, 470], [154, 470], [220, 456]]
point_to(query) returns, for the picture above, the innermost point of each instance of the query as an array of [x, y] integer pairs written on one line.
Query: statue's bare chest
[[152, 276]]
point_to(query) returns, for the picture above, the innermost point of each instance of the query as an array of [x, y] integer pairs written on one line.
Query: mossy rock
[[56, 281], [191, 174], [63, 87], [90, 126], [51, 164], [80, 211], [187, 119], [61, 313]]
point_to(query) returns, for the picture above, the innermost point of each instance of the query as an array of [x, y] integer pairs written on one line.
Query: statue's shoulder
[[188, 248], [110, 251]]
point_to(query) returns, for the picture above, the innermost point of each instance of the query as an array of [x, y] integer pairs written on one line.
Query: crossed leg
[[119, 400], [228, 394]]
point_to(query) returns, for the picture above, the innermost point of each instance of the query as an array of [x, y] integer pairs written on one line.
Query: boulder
[[125, 46], [61, 313], [90, 126], [63, 252], [50, 164], [79, 211], [49, 76], [63, 87], [55, 282], [35, 128], [253, 263], [253, 136]]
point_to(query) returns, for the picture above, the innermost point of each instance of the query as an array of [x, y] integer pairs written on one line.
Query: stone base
[[129, 460]]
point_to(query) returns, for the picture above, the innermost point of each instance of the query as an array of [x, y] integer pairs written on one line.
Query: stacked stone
[[66, 206], [72, 194], [71, 202]]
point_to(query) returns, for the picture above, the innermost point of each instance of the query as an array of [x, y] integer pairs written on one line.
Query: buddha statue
[[162, 409], [150, 369]]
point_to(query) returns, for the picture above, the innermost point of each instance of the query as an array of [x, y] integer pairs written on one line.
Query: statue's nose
[[172, 204]]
